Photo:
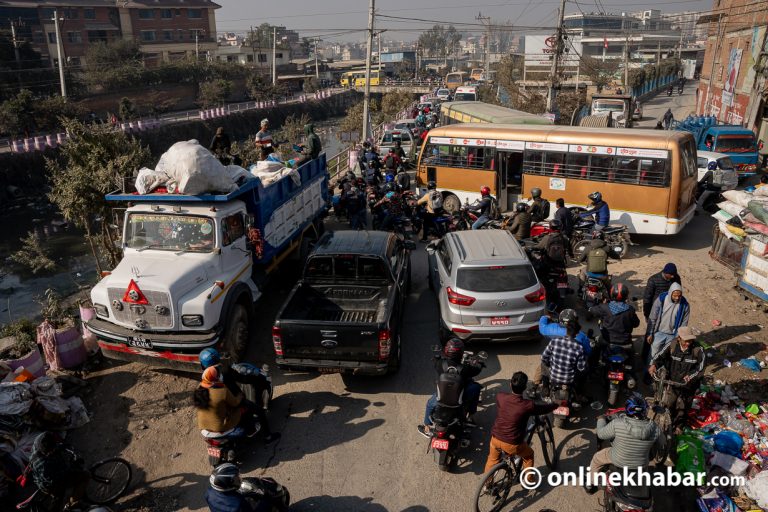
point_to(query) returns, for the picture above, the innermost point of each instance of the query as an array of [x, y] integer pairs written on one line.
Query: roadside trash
[[716, 323], [716, 501], [751, 364], [726, 363]]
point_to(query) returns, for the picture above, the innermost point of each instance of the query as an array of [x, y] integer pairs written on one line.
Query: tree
[[353, 121], [114, 65], [49, 111], [394, 102], [94, 161], [17, 114], [567, 103], [439, 41], [214, 93], [34, 255], [600, 72], [126, 110], [310, 85]]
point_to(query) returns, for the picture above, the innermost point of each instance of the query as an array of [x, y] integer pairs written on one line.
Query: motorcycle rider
[[618, 318], [539, 207], [355, 201], [393, 204], [210, 358], [218, 409], [683, 361], [55, 470], [512, 414], [597, 262], [223, 495], [600, 211], [553, 329], [482, 208], [564, 357], [565, 216], [706, 186], [403, 180], [521, 222], [450, 362], [633, 436], [554, 246], [399, 151], [433, 206], [392, 162]]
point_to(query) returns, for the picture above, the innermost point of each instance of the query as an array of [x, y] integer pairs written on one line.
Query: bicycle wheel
[[109, 480], [494, 488], [547, 438]]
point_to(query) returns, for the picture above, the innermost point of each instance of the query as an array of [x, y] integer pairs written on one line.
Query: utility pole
[[367, 95], [378, 42], [712, 69], [197, 44], [60, 53], [317, 69], [553, 80], [486, 20], [416, 77], [626, 64], [274, 55], [16, 53]]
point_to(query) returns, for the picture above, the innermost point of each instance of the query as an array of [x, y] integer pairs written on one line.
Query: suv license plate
[[214, 451], [499, 320], [561, 411], [562, 285], [329, 370], [139, 342], [440, 444], [616, 375]]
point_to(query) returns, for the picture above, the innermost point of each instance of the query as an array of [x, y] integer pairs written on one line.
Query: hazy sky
[[332, 19]]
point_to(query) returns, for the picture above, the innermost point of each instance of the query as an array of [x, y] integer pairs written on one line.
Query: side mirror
[[250, 220], [409, 244]]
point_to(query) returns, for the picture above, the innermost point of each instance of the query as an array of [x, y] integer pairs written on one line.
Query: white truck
[[193, 266], [617, 108]]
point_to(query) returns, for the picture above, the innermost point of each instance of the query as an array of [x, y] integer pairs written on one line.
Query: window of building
[[180, 34], [73, 61], [95, 36], [148, 35], [166, 14], [249, 58], [194, 13], [71, 13], [89, 13], [278, 55], [74, 37], [168, 35], [146, 14], [46, 13], [262, 57], [52, 37]]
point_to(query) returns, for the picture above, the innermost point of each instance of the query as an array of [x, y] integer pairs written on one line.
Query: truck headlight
[[192, 320], [101, 310]]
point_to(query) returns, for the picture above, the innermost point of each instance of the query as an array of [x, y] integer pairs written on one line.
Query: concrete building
[[166, 30], [733, 75], [253, 56]]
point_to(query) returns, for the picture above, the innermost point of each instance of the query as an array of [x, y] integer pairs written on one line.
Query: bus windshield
[[735, 144]]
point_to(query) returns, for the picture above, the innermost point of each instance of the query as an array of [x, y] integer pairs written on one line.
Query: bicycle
[[499, 480], [659, 412], [109, 479]]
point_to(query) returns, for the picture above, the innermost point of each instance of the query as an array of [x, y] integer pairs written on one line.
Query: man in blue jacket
[[552, 329], [599, 210]]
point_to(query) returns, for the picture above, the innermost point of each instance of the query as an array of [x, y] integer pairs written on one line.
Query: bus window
[[653, 171], [626, 170], [577, 165], [532, 162], [601, 167], [688, 155], [554, 164]]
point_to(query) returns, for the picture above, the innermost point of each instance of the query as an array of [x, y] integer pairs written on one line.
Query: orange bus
[[647, 177]]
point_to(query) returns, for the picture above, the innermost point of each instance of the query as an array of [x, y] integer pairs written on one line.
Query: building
[[253, 56], [230, 39], [732, 85], [166, 30]]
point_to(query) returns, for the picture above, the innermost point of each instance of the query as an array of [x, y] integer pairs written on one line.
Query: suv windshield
[[496, 279], [169, 232], [735, 144], [346, 266]]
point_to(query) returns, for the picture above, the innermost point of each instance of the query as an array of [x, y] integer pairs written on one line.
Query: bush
[[214, 93], [33, 255], [25, 333]]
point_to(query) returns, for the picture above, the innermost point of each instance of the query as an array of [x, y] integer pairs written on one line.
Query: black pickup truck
[[344, 315]]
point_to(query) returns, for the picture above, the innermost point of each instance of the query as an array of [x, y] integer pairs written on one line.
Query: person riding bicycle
[[482, 208], [513, 411], [539, 207], [632, 435], [596, 262], [57, 472], [683, 362], [521, 222], [599, 211], [466, 394], [564, 357], [224, 494], [210, 358], [618, 318]]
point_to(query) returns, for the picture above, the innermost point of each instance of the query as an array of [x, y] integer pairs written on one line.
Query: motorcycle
[[562, 394], [670, 91], [257, 489], [554, 279], [449, 432], [593, 292], [464, 218], [617, 362], [616, 238]]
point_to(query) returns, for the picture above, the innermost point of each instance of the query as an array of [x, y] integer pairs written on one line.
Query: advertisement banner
[[729, 87]]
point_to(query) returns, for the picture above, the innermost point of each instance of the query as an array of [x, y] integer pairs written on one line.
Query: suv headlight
[[101, 310], [192, 320]]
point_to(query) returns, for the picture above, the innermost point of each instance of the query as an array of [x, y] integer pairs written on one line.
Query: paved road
[[681, 105]]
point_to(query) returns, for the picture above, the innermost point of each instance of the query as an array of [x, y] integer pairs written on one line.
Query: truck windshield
[[346, 267], [496, 279], [735, 144], [169, 232], [613, 106]]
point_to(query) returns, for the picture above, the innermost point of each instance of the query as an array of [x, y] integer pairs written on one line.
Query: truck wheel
[[451, 203], [237, 333], [394, 364]]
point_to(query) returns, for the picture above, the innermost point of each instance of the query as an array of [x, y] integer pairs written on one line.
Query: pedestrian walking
[[669, 312]]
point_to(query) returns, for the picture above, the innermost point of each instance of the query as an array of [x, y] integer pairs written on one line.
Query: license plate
[[591, 295], [139, 342], [214, 451], [562, 411], [329, 370], [562, 285], [440, 444], [616, 375], [499, 320]]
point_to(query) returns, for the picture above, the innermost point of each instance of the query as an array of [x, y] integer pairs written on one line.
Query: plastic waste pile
[[726, 436]]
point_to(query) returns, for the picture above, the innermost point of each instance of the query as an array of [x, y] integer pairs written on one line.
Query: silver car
[[486, 287]]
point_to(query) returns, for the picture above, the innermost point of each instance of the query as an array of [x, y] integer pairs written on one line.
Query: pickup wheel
[[237, 333], [394, 363]]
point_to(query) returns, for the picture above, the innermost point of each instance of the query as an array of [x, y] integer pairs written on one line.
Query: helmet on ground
[[431, 185], [389, 178], [595, 197], [390, 194], [568, 318], [636, 406], [535, 192], [454, 349], [225, 477], [555, 225], [209, 357], [521, 207], [711, 166], [619, 292], [485, 191]]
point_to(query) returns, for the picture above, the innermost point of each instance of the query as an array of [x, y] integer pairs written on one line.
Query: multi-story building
[[165, 29], [732, 85]]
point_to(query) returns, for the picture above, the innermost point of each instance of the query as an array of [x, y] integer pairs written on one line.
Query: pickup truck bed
[[335, 303]]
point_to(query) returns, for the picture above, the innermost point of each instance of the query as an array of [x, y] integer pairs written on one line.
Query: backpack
[[556, 248], [495, 212], [435, 200]]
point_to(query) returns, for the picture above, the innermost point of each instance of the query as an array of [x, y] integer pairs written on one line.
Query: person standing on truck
[[312, 145], [220, 144], [668, 118], [263, 140]]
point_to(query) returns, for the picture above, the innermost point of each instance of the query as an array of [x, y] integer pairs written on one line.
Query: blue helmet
[[390, 195], [389, 178], [712, 166], [209, 357], [636, 406]]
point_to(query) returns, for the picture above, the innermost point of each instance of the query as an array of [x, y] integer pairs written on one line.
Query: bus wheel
[[451, 203]]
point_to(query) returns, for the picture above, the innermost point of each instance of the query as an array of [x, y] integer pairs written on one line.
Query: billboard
[[540, 49], [729, 87]]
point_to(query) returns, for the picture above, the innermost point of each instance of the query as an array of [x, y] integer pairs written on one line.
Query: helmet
[[522, 207], [389, 178], [485, 191], [535, 192], [595, 197], [711, 166], [431, 185], [568, 317], [209, 357], [636, 406], [211, 377], [619, 292], [454, 349], [390, 195], [555, 225], [225, 477]]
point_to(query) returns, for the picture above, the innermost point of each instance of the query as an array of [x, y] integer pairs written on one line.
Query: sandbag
[[761, 191], [149, 179], [195, 170], [730, 207], [727, 232], [759, 210], [269, 177], [757, 226], [736, 231], [739, 197], [722, 216]]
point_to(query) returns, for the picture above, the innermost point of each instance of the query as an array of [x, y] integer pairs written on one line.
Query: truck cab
[[619, 107], [737, 142]]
